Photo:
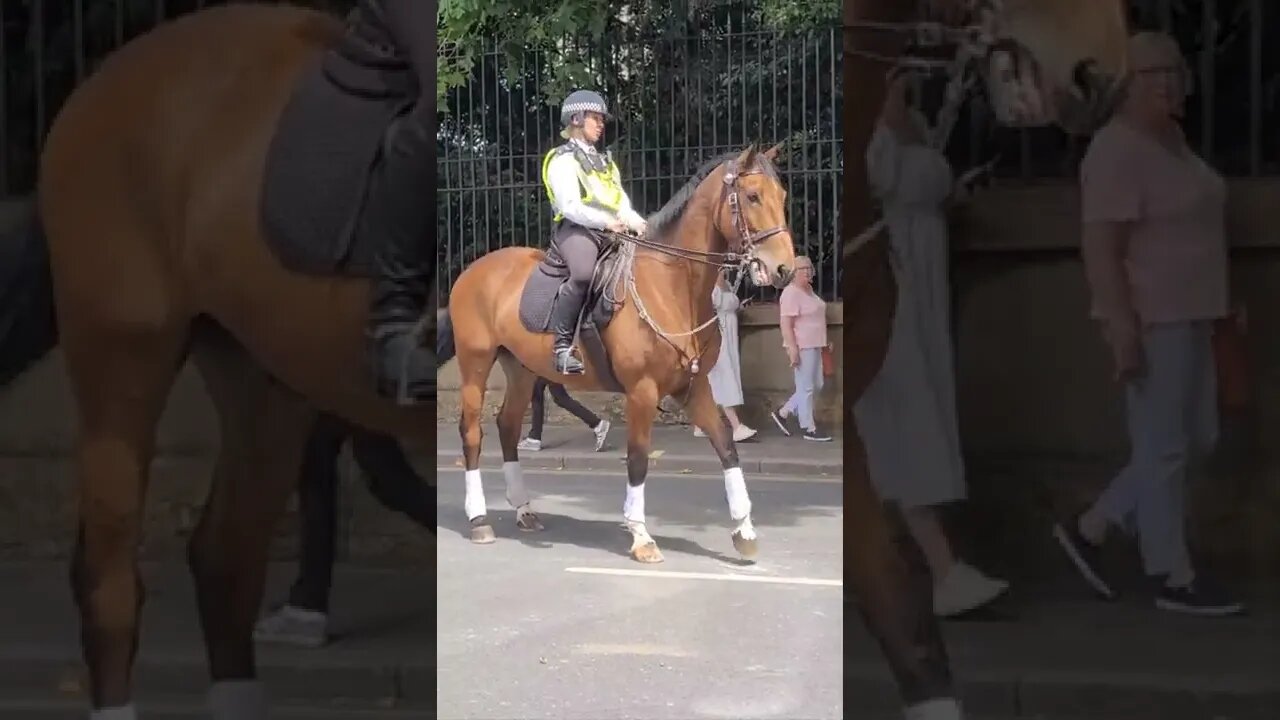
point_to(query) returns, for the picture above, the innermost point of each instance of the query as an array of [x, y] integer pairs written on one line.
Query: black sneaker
[[781, 422], [816, 436], [1198, 598], [1086, 556]]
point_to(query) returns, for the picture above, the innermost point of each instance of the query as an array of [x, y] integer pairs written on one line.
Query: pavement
[[561, 624]]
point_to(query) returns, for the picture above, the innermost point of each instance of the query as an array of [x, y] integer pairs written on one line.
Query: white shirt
[[562, 176]]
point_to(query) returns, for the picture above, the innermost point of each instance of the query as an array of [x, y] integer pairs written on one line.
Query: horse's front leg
[[704, 413], [642, 407]]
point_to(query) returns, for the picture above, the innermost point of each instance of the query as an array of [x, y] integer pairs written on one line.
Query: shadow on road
[[606, 535]]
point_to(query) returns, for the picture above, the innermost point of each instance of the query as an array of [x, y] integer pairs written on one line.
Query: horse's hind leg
[[473, 367], [121, 378], [510, 421], [264, 428], [704, 413]]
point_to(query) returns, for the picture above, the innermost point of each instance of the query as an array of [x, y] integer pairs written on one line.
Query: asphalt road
[[543, 626]]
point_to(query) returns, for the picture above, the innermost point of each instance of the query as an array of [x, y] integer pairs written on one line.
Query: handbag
[[828, 361]]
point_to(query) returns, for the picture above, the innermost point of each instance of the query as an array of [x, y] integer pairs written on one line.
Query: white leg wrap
[[735, 488], [639, 534], [474, 502], [517, 494], [633, 507], [238, 700], [937, 709], [124, 712], [746, 529]]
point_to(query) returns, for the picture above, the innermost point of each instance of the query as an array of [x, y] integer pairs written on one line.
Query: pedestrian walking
[[907, 415], [726, 375], [1155, 255], [533, 441], [303, 618], [803, 319]]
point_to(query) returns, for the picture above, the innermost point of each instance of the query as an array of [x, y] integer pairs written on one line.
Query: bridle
[[973, 42], [741, 257]]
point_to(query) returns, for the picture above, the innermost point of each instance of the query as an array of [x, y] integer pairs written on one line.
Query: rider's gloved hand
[[638, 226], [616, 226]]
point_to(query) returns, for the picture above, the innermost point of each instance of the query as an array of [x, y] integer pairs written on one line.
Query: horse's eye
[[754, 197]]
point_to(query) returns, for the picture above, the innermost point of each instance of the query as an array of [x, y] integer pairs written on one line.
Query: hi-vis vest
[[597, 176]]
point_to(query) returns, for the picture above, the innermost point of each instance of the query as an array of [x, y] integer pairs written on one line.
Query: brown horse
[[1071, 55], [149, 203], [732, 213]]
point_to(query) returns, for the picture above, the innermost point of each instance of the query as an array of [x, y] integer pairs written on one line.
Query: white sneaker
[[530, 444], [964, 589], [293, 626], [939, 709], [742, 432], [602, 434]]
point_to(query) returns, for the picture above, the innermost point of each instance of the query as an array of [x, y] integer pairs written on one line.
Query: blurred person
[[303, 618], [1155, 254], [907, 415]]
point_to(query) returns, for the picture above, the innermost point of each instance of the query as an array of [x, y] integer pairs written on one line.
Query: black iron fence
[[679, 101]]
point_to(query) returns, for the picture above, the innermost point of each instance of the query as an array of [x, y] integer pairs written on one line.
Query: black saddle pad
[[607, 293], [325, 148]]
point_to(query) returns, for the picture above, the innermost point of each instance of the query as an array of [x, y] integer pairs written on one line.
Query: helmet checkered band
[[582, 101]]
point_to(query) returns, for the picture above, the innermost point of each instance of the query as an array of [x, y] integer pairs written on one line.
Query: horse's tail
[[445, 349], [28, 324]]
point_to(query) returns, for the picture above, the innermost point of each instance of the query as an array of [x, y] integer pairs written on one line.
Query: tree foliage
[[684, 83]]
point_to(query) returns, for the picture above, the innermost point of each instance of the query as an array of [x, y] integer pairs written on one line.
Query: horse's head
[[754, 216], [1054, 61]]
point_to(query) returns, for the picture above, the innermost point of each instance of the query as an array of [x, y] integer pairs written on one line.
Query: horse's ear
[[772, 153], [744, 160]]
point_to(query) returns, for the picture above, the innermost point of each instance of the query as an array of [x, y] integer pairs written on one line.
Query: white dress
[[726, 374], [907, 417]]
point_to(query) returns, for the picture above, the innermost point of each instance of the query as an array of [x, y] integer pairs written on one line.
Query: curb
[[679, 464], [868, 689]]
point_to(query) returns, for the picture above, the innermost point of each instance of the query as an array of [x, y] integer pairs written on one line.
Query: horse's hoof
[[530, 522], [746, 547], [482, 534], [647, 553]]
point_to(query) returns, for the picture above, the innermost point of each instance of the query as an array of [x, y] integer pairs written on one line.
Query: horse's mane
[[661, 222]]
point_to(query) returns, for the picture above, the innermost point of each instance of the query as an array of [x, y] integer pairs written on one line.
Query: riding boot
[[404, 365], [564, 322]]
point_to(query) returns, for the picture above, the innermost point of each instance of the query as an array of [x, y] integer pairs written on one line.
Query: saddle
[[326, 145], [605, 295]]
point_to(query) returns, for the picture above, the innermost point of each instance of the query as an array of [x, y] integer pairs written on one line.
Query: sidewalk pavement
[[1065, 657], [673, 449]]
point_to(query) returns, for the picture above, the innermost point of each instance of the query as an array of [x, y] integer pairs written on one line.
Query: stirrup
[[566, 363]]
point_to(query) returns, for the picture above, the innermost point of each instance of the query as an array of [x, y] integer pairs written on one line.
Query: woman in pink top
[[804, 334], [1156, 257]]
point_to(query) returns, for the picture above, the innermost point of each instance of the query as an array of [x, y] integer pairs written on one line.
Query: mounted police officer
[[585, 188], [389, 51]]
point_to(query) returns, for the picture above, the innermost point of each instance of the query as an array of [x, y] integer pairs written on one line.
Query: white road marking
[[675, 575]]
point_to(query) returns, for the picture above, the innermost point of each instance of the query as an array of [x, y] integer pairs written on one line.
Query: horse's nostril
[[784, 271]]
